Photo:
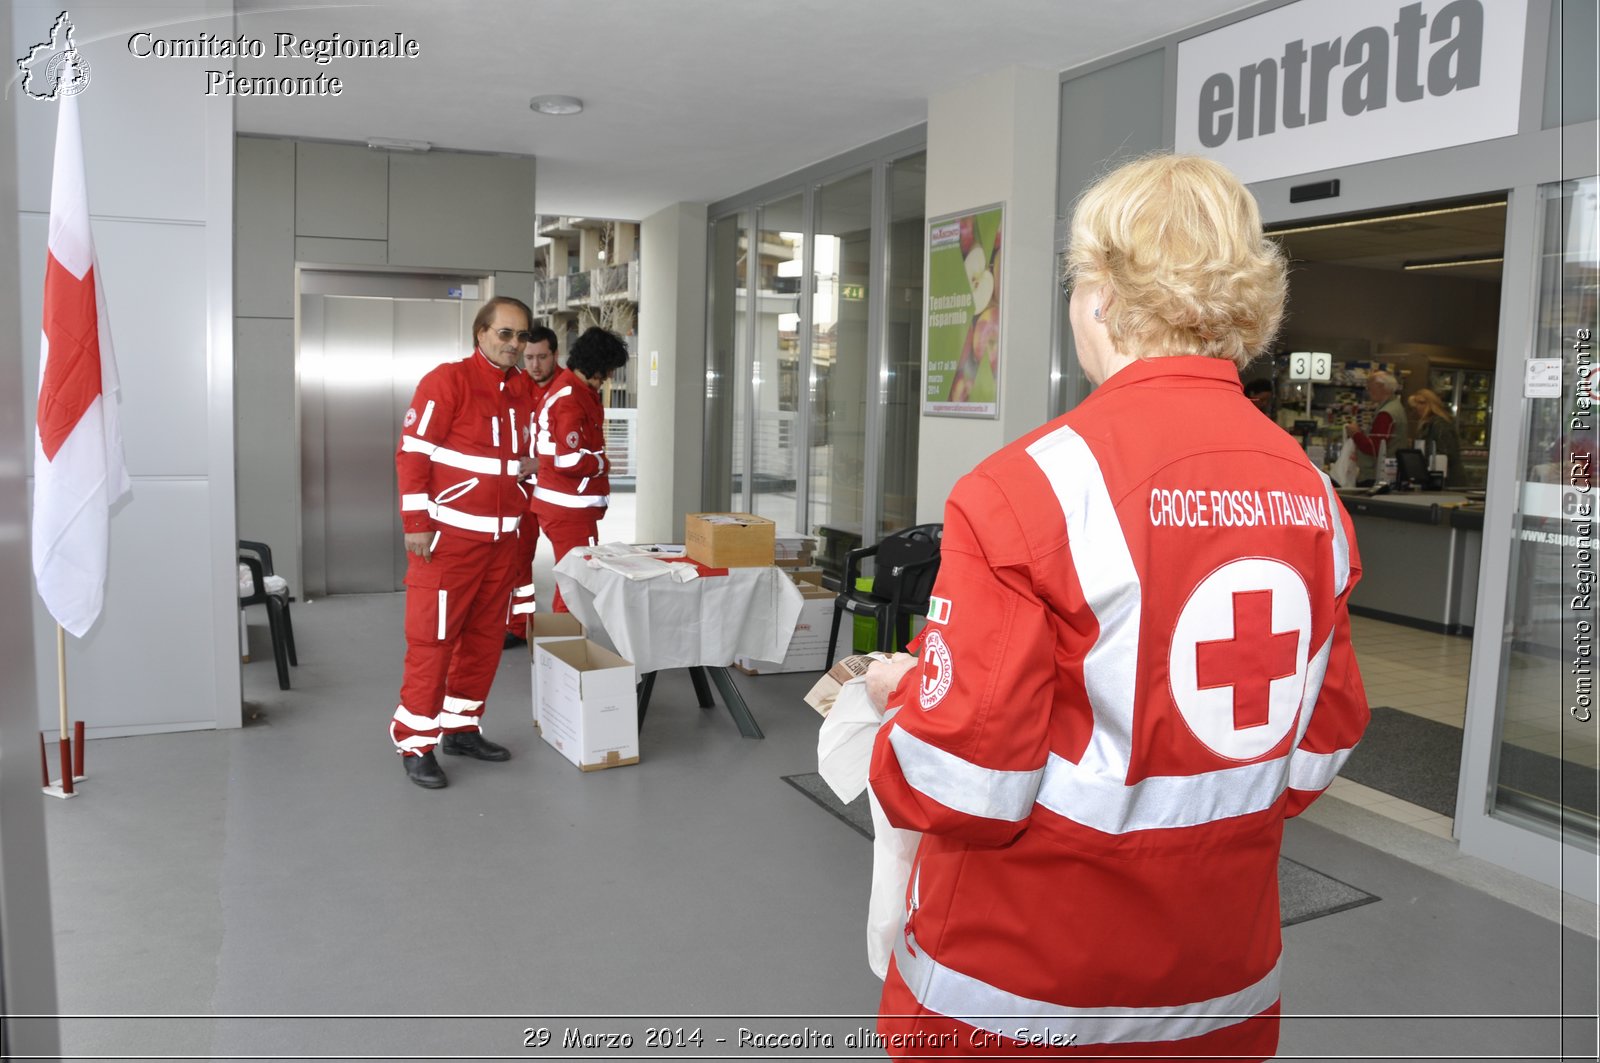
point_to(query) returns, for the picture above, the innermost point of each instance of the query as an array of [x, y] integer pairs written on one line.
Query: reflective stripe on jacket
[[468, 427], [1143, 666], [570, 442]]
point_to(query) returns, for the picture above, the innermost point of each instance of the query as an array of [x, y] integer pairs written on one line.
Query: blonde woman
[[1435, 433], [1141, 665]]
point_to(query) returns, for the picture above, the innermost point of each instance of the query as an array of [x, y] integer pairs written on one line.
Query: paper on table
[[635, 567]]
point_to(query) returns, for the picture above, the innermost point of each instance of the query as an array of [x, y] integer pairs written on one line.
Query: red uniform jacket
[[571, 445], [1142, 665], [463, 439]]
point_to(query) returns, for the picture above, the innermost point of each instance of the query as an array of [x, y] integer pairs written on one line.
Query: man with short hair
[[539, 360], [463, 449], [1388, 426], [573, 490]]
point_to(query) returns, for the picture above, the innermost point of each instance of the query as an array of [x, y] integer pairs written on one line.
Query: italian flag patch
[[938, 610]]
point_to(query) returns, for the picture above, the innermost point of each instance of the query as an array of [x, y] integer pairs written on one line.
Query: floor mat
[[1303, 893], [1408, 757], [1419, 760]]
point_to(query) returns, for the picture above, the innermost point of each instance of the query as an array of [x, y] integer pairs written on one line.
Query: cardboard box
[[729, 540], [790, 551], [811, 574], [546, 627], [588, 709], [808, 646]]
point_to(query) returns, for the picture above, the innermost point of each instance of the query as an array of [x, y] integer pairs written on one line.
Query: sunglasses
[[506, 335]]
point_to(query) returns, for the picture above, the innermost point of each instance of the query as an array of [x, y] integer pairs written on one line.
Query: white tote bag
[[844, 755], [1344, 472], [894, 851]]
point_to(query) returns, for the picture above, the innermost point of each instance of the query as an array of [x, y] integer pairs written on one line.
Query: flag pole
[[61, 675], [64, 787]]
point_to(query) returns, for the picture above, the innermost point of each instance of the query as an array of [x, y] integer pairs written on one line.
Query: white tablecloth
[[660, 623]]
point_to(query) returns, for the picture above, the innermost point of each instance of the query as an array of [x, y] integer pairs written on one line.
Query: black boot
[[473, 744], [513, 639], [425, 771]]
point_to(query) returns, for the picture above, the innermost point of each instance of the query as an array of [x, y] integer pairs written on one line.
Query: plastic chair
[[271, 590], [906, 563]]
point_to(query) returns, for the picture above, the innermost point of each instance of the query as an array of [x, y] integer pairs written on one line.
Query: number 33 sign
[[1310, 365]]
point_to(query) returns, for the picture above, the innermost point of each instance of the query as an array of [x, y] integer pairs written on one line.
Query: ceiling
[[1429, 233], [687, 100]]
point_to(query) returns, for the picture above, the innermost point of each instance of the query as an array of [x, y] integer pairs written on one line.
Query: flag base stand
[[55, 790]]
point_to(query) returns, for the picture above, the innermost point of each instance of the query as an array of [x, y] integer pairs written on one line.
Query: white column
[[164, 655], [670, 436], [993, 140]]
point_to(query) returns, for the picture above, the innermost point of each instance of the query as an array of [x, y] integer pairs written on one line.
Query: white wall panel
[[148, 663], [138, 115], [155, 283], [269, 449], [264, 228], [341, 190], [492, 227]]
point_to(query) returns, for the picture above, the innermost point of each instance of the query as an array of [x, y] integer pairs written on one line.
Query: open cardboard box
[[588, 709], [546, 627]]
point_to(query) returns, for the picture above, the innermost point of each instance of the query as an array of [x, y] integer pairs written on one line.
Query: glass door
[[1546, 754], [775, 369], [838, 443]]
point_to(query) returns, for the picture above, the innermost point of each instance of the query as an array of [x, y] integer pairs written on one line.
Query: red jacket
[[464, 436], [1102, 805], [571, 445]]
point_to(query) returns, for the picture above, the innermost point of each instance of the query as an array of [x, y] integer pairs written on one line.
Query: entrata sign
[[1319, 84]]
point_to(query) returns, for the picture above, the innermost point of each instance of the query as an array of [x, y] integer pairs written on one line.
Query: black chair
[[257, 557], [905, 564]]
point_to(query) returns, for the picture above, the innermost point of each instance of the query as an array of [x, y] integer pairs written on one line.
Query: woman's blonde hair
[[1427, 403], [1176, 240]]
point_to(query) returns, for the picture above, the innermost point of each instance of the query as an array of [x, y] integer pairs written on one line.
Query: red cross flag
[[78, 468]]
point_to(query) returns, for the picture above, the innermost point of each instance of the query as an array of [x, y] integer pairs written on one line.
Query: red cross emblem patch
[[1237, 665]]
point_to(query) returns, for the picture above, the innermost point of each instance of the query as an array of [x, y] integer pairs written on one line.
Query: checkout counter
[[1419, 557]]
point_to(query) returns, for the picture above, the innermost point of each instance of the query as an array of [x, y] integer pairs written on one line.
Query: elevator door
[[361, 359]]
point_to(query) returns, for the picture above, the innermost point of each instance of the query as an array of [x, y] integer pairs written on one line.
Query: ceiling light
[[1447, 263], [1385, 218], [387, 144], [556, 104]]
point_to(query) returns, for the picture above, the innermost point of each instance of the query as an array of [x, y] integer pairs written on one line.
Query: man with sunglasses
[[464, 448]]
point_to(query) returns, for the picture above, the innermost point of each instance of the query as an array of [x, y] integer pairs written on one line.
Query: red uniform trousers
[[522, 586], [568, 529], [930, 1037], [456, 607]]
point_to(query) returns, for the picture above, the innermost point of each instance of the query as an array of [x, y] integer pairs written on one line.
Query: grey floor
[[281, 891]]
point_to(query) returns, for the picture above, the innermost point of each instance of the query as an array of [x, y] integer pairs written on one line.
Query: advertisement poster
[[963, 345]]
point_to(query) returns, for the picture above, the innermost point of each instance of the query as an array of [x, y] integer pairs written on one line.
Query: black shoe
[[513, 639], [425, 771], [473, 744]]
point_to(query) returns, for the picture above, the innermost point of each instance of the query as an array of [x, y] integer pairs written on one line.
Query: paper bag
[[1343, 472]]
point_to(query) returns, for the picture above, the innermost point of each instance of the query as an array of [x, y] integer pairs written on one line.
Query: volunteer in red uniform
[[1141, 666], [539, 360], [463, 448], [572, 490]]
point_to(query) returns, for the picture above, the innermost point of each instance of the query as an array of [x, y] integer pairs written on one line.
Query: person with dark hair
[[1259, 391], [539, 361], [463, 449], [572, 490]]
